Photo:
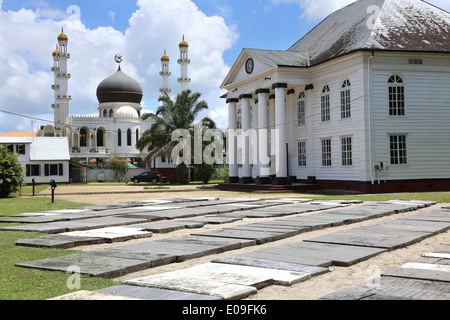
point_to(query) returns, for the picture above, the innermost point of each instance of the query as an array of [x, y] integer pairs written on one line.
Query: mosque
[[115, 131]]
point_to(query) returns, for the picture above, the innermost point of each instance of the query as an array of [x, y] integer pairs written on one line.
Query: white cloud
[[28, 38]]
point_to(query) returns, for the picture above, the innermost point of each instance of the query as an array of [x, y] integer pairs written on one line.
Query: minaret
[[61, 88], [165, 73], [184, 61]]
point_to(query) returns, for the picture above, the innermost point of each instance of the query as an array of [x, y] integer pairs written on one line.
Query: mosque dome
[[126, 112], [165, 57], [119, 88]]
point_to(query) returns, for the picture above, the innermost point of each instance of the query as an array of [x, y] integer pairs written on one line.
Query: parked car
[[149, 176]]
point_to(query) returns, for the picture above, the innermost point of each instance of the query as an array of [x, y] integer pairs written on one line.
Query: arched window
[[396, 96], [105, 113], [129, 137], [345, 100], [100, 141], [83, 138], [119, 138], [137, 136], [301, 109], [325, 104], [111, 113]]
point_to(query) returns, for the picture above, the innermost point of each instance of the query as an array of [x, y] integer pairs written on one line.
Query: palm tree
[[180, 113]]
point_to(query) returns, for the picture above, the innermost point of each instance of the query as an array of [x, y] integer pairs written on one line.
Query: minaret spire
[[165, 73], [184, 62], [60, 87]]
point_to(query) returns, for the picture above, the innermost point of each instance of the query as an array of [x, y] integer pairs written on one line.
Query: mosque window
[[83, 138], [111, 113], [129, 137], [105, 113], [119, 138]]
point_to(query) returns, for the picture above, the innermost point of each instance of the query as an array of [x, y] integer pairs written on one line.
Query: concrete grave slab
[[56, 241], [84, 295], [112, 234], [214, 219], [259, 236], [143, 293], [168, 226], [287, 257], [271, 264], [224, 290], [421, 274], [366, 237]]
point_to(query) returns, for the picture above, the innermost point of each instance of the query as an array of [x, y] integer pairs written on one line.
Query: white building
[[42, 158], [361, 102], [114, 132]]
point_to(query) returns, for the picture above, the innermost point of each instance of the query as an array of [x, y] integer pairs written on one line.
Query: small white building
[[361, 102], [43, 158]]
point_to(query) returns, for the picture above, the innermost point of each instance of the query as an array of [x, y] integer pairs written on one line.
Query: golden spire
[[184, 43], [165, 57], [56, 51], [62, 36]]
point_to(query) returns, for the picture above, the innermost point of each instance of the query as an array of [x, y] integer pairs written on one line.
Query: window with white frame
[[301, 111], [347, 156], [396, 96], [398, 149], [345, 100], [326, 152], [301, 153], [325, 104]]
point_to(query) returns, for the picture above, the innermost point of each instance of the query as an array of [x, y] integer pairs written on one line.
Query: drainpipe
[[369, 98]]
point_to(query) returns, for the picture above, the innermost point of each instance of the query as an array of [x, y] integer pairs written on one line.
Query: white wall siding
[[427, 119]]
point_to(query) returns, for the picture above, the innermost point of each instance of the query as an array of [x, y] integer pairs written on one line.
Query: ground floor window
[[301, 153], [53, 169], [33, 170], [346, 143], [326, 152], [398, 149]]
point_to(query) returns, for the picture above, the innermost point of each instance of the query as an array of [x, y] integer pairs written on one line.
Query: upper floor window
[[83, 138], [129, 137], [325, 104], [301, 110], [239, 119], [345, 100], [396, 96]]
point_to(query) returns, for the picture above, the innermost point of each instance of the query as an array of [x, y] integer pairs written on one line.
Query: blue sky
[[140, 30]]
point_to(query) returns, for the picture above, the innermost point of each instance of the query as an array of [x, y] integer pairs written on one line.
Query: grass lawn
[[30, 284]]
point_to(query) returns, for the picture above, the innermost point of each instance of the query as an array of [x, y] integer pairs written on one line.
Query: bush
[[11, 172], [182, 172], [205, 172], [119, 168]]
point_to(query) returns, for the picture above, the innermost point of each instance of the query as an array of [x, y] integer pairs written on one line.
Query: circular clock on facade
[[249, 65]]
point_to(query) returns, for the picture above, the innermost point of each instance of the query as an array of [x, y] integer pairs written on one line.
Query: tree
[[172, 115], [11, 172], [205, 172], [119, 167]]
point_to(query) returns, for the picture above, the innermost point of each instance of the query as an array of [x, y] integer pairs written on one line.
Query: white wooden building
[[361, 102]]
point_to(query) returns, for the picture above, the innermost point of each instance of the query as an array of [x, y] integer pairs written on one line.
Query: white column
[[231, 141], [246, 165], [280, 133], [263, 143]]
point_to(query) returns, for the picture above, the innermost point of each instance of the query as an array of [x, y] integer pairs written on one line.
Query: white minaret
[[61, 88], [184, 61], [165, 73]]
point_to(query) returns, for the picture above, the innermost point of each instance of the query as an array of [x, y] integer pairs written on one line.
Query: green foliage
[[182, 173], [221, 174], [119, 168], [205, 172], [11, 172]]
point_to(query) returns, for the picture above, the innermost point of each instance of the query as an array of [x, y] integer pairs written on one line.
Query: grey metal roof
[[401, 25]]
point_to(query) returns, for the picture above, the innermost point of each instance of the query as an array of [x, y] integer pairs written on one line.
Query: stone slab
[[168, 226], [271, 264], [438, 216], [214, 219], [393, 288], [338, 255], [366, 237], [112, 234], [221, 289], [56, 241], [422, 274], [259, 236], [96, 263], [289, 257], [84, 295], [401, 225], [142, 293]]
